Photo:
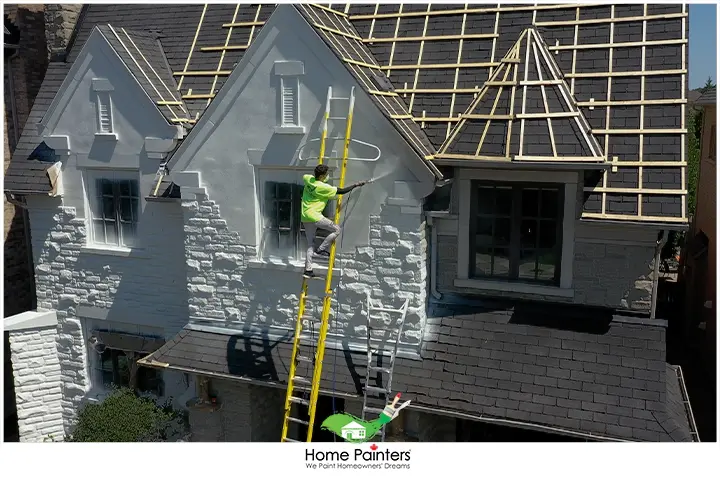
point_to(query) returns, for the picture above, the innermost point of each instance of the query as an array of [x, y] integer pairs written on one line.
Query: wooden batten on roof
[[524, 113]]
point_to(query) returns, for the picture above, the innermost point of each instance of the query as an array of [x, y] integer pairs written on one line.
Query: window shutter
[[289, 101], [104, 112]]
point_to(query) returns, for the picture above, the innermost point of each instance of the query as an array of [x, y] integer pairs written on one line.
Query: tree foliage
[[124, 416]]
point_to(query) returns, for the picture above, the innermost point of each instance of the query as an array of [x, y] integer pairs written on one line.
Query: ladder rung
[[297, 420], [379, 369], [373, 409], [300, 358], [371, 388], [337, 118], [304, 380], [339, 98], [287, 439], [384, 309], [301, 401]]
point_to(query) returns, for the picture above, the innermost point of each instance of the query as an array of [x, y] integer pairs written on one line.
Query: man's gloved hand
[[360, 184]]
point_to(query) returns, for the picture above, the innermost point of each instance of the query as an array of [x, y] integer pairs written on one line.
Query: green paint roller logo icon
[[355, 430]]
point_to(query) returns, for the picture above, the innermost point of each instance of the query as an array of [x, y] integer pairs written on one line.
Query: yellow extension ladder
[[291, 396]]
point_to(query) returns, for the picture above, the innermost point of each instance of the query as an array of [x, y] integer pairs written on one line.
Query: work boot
[[309, 274], [322, 253]]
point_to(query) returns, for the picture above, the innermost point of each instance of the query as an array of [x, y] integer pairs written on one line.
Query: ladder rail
[[327, 301], [393, 355], [290, 398], [293, 362]]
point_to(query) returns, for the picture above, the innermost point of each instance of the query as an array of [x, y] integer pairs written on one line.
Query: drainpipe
[[433, 259], [13, 104], [28, 245], [656, 272]]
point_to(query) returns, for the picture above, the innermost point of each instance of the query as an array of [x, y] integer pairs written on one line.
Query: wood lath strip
[[639, 218], [439, 66], [593, 46], [430, 38], [461, 11], [595, 21], [192, 46]]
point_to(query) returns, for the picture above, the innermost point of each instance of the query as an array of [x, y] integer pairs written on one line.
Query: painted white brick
[[35, 369], [392, 267]]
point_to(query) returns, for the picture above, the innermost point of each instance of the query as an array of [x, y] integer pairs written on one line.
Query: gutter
[[656, 272]]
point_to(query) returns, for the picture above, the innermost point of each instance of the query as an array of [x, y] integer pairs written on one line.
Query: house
[[532, 163], [699, 254], [25, 60], [353, 431]]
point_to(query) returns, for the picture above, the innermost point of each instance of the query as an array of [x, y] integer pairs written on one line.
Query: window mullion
[[515, 222]]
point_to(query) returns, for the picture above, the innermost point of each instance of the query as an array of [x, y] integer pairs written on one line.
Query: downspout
[[13, 105], [28, 245], [433, 259], [656, 272]]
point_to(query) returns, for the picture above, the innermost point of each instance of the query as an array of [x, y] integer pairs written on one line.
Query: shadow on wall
[[19, 293]]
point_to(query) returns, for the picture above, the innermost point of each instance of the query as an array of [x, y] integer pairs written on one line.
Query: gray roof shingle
[[583, 370], [708, 98], [143, 55]]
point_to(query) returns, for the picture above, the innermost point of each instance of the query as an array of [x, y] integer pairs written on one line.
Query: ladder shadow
[[249, 361]]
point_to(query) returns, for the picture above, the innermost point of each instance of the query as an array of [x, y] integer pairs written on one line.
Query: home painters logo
[[355, 430], [370, 458]]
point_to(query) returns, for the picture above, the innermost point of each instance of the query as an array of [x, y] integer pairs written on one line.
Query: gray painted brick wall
[[228, 287], [145, 290]]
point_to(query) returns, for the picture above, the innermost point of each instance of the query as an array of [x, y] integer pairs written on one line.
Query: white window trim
[[569, 179], [88, 178]]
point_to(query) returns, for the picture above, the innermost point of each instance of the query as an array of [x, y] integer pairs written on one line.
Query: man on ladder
[[315, 196]]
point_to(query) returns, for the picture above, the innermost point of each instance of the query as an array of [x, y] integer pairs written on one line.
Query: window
[[104, 113], [114, 211], [116, 367], [289, 87], [282, 232], [516, 232]]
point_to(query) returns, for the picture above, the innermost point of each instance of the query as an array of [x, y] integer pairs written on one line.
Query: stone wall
[[144, 290], [228, 285], [37, 374]]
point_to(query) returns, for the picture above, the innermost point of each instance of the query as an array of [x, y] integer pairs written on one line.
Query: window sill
[[290, 130], [514, 288], [111, 251], [289, 266], [106, 137]]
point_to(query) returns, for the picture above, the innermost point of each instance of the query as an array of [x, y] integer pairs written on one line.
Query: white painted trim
[[289, 266], [570, 179], [518, 176], [97, 249], [30, 320], [515, 287]]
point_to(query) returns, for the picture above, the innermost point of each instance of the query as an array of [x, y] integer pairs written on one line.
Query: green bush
[[126, 417]]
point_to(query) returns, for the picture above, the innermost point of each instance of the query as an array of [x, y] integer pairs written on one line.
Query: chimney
[[60, 23]]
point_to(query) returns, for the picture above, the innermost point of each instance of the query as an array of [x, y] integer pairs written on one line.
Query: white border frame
[[569, 179]]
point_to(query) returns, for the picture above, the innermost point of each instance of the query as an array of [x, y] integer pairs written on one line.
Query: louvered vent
[[104, 113], [289, 101]]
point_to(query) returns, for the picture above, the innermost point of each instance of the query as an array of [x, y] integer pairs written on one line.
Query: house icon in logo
[[353, 431]]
